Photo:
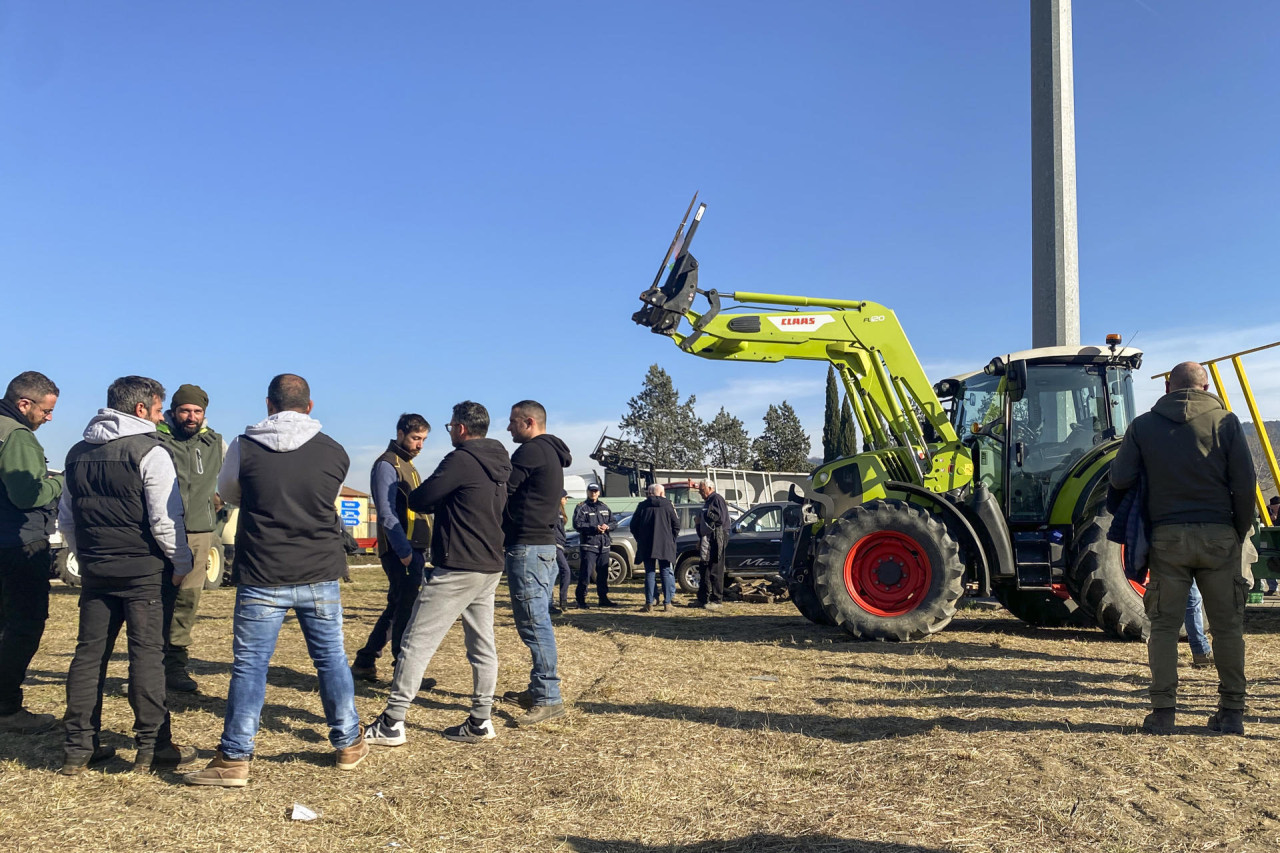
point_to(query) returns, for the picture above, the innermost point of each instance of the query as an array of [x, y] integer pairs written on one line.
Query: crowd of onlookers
[[138, 501]]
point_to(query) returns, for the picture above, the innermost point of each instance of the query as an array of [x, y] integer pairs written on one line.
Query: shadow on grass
[[797, 632], [842, 729], [756, 843]]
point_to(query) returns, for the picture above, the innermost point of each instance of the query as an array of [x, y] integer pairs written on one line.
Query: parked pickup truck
[[754, 549]]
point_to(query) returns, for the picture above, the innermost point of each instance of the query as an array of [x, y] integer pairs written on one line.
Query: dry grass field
[[692, 732]]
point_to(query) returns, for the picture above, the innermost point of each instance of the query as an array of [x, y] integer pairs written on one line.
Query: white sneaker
[[468, 733], [385, 732]]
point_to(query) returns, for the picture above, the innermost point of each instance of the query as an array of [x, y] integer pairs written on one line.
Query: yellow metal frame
[[1263, 440]]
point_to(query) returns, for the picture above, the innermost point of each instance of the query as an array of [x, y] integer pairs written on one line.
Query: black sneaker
[[23, 722], [607, 603], [365, 673], [80, 763], [523, 698], [468, 732], [167, 756]]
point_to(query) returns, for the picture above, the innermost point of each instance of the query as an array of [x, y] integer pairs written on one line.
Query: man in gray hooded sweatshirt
[[121, 514], [285, 474], [1200, 491]]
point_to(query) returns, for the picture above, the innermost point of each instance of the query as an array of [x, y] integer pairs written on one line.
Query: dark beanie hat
[[190, 395]]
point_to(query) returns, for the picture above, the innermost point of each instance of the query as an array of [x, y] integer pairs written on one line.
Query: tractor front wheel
[[888, 570]]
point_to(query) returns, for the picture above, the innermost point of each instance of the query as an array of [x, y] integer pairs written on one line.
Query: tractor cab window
[[1061, 415], [980, 406], [684, 497], [765, 519], [1120, 395]]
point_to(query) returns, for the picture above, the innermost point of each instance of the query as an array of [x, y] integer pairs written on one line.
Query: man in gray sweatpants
[[467, 493]]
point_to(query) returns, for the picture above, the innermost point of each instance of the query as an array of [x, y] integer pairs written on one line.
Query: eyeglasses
[[36, 406]]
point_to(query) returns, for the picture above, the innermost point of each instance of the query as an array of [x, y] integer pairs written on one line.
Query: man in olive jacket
[[28, 506], [197, 455], [1200, 490]]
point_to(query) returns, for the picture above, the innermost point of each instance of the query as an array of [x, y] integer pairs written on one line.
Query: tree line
[[668, 433]]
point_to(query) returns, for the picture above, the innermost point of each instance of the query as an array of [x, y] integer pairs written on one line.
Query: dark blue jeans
[[531, 573], [260, 610], [651, 581], [403, 583]]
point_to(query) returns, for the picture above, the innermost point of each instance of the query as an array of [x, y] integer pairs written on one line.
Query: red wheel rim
[[1140, 587], [887, 573]]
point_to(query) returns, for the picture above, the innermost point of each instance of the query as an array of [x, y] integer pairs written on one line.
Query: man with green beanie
[[197, 455]]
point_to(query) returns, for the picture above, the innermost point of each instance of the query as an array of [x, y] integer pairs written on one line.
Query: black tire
[[214, 564], [1095, 576], [68, 567], [807, 602], [1043, 608], [687, 577], [888, 571], [617, 568]]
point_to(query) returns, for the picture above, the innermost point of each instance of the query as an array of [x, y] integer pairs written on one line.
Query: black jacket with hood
[[537, 481], [1197, 462], [467, 492]]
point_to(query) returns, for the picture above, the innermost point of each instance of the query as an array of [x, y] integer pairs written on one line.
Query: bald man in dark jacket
[[1200, 491]]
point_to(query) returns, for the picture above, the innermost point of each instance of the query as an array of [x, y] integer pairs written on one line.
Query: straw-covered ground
[[746, 730]]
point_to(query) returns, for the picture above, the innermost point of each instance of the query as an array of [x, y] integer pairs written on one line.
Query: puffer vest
[[113, 530]]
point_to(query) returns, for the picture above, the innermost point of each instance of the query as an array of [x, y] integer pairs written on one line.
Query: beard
[[188, 429]]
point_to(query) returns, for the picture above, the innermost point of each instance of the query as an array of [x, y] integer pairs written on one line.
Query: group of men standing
[[138, 503], [135, 501]]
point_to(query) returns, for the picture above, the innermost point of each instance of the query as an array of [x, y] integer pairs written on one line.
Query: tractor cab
[[1031, 417]]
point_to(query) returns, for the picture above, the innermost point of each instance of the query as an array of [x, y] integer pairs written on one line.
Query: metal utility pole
[[1055, 261]]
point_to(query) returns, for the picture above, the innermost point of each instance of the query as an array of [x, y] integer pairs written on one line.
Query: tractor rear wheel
[[888, 570], [1095, 576], [1042, 608]]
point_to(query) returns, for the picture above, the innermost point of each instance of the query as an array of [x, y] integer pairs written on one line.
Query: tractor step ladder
[[1267, 539]]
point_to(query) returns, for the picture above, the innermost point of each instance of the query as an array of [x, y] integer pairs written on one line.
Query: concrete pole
[[1055, 261]]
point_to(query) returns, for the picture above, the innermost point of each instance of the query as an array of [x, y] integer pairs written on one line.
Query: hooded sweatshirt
[[537, 480], [467, 492], [285, 475], [1196, 460], [161, 502]]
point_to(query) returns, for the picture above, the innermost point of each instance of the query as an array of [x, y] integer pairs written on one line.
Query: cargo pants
[[1209, 554]]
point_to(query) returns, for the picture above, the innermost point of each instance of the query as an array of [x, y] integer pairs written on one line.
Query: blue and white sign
[[350, 511]]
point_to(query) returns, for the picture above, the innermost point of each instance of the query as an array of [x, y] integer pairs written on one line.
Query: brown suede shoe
[[349, 756], [221, 771]]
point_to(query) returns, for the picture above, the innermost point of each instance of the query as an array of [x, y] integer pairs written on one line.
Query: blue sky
[[412, 204]]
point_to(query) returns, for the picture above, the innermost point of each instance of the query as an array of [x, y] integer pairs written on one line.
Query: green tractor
[[1001, 491]]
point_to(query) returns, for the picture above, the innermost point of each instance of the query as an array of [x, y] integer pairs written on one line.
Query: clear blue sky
[[411, 204]]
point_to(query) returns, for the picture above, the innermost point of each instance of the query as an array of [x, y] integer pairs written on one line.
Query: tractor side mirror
[[1016, 380]]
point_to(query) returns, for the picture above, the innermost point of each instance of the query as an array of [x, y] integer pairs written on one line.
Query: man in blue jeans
[[284, 474], [529, 536]]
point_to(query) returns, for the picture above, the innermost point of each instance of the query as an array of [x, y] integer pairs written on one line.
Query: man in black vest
[[197, 454], [285, 475], [404, 539], [28, 506], [121, 514]]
